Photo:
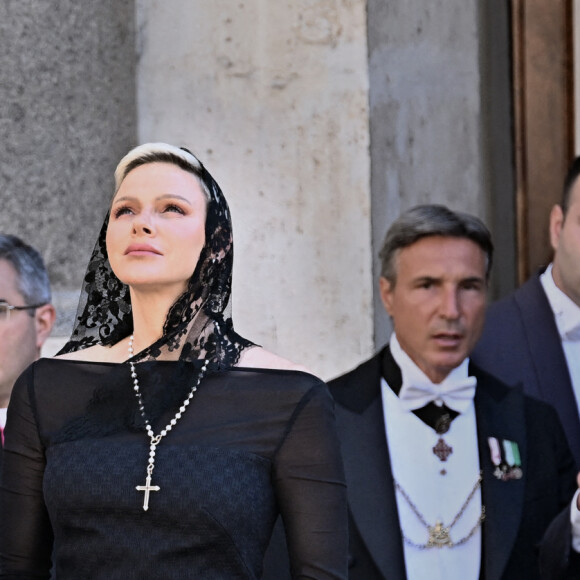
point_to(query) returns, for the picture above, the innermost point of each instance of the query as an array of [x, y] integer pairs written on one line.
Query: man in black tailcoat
[[450, 473]]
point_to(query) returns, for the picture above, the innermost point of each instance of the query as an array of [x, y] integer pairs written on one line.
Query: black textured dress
[[253, 443]]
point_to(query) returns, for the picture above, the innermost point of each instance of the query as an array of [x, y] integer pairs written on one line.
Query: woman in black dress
[[160, 443]]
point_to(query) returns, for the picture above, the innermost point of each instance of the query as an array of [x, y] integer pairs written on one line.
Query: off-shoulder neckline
[[165, 362]]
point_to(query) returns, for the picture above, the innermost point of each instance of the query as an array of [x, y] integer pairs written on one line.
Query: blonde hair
[[159, 153]]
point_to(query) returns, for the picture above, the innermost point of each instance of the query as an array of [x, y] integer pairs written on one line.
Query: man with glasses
[[26, 314]]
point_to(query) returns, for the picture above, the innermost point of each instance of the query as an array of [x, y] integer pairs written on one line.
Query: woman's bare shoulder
[[258, 357], [97, 353]]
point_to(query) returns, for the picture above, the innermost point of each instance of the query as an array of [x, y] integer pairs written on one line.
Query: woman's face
[[157, 228]]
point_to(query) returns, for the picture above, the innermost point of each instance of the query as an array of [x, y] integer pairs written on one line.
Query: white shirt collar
[[566, 312], [410, 371]]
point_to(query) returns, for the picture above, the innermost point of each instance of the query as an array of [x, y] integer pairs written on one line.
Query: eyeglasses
[[6, 308]]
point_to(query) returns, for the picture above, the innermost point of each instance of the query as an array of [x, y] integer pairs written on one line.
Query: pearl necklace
[[156, 439]]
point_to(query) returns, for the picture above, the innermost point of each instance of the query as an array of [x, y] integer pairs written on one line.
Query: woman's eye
[[174, 208], [123, 210]]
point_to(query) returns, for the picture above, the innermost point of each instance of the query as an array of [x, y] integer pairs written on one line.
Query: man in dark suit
[[450, 473], [26, 314], [532, 337]]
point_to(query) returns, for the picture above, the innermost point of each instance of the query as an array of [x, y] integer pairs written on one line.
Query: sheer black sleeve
[[25, 534], [311, 490]]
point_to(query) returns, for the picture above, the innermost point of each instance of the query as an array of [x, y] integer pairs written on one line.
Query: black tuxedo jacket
[[521, 345], [518, 512]]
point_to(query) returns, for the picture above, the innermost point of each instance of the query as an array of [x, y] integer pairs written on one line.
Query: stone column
[[67, 114], [425, 113], [272, 96]]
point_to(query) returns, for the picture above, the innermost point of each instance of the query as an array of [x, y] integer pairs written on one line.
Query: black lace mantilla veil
[[198, 325]]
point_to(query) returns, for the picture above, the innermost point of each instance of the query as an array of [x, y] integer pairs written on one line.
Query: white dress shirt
[[438, 489], [567, 317]]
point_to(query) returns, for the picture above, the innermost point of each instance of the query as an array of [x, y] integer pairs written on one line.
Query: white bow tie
[[457, 394]]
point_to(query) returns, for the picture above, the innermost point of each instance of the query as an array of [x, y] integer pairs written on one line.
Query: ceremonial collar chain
[[156, 439], [440, 535]]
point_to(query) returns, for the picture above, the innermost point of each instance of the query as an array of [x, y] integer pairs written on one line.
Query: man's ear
[[44, 318], [386, 291], [556, 222]]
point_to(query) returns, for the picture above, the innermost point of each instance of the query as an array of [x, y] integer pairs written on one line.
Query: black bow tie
[[437, 417]]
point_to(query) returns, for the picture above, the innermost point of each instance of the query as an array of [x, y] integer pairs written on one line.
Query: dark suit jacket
[[518, 512], [521, 345]]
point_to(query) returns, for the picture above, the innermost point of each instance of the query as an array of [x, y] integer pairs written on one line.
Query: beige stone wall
[[273, 98]]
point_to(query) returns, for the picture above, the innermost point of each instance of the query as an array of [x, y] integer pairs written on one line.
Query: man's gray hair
[[33, 282], [424, 221]]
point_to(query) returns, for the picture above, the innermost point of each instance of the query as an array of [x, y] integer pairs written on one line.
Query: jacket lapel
[[372, 502], [500, 414], [555, 385]]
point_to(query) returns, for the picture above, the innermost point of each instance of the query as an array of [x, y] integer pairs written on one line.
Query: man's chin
[[443, 365]]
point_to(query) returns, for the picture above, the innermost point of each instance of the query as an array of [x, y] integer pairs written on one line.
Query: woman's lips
[[141, 250]]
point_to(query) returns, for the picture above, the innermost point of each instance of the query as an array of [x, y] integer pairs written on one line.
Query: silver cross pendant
[[147, 488]]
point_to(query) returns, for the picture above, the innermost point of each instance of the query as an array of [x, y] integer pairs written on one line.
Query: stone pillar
[[67, 114], [272, 96], [425, 113]]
